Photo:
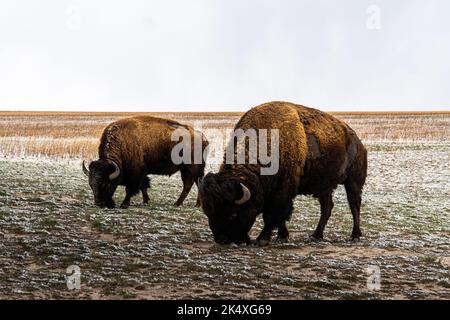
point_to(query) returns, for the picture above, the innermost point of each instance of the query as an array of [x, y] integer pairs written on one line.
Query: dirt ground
[[48, 222]]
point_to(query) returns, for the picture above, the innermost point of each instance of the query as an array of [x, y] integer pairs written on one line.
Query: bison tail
[[359, 170]]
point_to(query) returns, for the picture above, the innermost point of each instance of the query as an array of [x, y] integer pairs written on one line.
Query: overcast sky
[[224, 55]]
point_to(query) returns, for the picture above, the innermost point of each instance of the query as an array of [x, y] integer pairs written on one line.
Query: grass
[[48, 223], [127, 294], [97, 225], [48, 220]]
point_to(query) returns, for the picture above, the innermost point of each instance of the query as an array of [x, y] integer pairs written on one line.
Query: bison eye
[[232, 216]]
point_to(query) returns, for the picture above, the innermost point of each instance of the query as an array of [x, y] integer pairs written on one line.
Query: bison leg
[[197, 174], [283, 233], [266, 233], [130, 191], [126, 202], [275, 217], [188, 181], [145, 184], [354, 200], [326, 205], [197, 204], [145, 197]]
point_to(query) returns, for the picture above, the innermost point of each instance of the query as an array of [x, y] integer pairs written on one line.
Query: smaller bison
[[132, 148]]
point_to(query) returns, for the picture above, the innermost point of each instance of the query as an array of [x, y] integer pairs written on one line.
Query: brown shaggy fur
[[317, 152], [140, 146]]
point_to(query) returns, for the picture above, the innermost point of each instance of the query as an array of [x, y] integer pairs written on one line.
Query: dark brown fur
[[317, 152], [140, 146]]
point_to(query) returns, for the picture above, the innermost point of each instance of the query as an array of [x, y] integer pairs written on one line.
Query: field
[[48, 221]]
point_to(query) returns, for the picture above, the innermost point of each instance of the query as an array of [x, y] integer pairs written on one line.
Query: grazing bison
[[132, 148], [316, 153]]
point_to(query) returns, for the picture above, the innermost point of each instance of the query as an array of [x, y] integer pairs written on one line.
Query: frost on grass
[[48, 222]]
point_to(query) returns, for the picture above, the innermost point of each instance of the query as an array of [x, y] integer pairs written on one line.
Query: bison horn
[[116, 172], [246, 195], [85, 170]]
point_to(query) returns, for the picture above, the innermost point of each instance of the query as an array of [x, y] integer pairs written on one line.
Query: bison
[[317, 152], [132, 148]]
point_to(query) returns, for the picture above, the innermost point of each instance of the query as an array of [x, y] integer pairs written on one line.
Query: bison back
[[292, 145]]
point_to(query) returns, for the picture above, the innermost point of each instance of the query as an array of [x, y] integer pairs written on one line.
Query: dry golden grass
[[76, 134], [46, 114]]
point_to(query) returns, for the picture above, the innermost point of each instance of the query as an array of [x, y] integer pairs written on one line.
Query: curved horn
[[85, 170], [246, 195], [116, 172]]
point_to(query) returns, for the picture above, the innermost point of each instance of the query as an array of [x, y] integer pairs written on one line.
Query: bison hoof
[[178, 203], [261, 243], [355, 239], [124, 206], [282, 240], [315, 238]]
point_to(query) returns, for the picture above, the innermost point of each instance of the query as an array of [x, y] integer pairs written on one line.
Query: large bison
[[316, 153], [132, 148]]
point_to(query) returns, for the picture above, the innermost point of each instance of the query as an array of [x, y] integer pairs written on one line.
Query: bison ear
[[202, 181], [233, 215]]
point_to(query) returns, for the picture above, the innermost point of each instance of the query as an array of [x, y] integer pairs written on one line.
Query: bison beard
[[316, 153], [132, 148]]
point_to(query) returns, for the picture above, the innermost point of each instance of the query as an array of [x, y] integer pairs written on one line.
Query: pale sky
[[224, 55]]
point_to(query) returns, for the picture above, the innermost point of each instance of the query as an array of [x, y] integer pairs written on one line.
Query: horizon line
[[343, 111]]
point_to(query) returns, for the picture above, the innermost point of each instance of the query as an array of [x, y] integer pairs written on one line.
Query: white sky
[[223, 55]]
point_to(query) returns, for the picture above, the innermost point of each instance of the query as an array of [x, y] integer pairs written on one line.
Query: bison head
[[228, 206], [103, 180]]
